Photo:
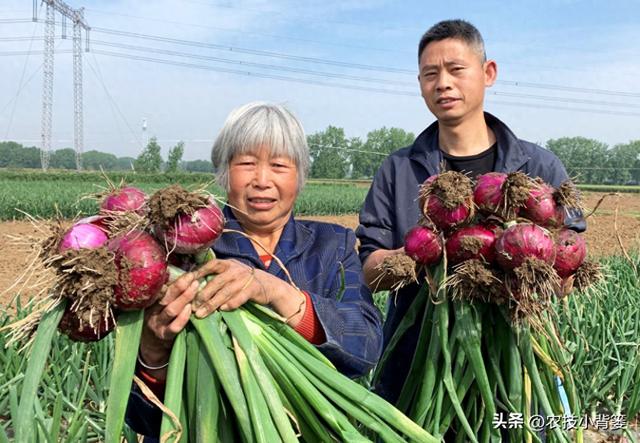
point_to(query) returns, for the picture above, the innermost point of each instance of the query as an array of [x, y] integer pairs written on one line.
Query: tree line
[[14, 155], [336, 156]]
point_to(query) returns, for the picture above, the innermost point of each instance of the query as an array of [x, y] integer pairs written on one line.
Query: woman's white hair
[[260, 125]]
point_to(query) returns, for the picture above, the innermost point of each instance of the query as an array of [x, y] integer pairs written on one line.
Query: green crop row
[[69, 199], [600, 328], [610, 188], [31, 175]]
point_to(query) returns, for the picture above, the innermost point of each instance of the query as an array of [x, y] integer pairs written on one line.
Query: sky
[[565, 68]]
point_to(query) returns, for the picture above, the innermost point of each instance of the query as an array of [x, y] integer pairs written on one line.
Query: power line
[[360, 47], [113, 111], [33, 52], [355, 66], [338, 85], [15, 20], [251, 51], [113, 103], [257, 74], [31, 77], [244, 32], [562, 108], [351, 65], [252, 64], [15, 97], [377, 26], [20, 39], [361, 88], [569, 88], [350, 77], [343, 76], [562, 99], [24, 69]]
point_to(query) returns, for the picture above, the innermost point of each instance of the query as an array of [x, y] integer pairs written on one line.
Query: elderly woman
[[262, 158]]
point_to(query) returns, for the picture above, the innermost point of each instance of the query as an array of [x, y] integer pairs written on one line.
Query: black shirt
[[472, 165]]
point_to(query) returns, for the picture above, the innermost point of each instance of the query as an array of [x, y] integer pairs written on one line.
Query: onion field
[[67, 194], [599, 328]]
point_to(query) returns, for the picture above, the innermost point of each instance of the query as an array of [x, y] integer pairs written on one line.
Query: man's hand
[[372, 275]]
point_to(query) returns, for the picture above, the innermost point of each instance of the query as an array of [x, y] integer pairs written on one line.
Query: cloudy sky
[[566, 68]]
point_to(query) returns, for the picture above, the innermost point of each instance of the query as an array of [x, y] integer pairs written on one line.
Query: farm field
[[338, 202]]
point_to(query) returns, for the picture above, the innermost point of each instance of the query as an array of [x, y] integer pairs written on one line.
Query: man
[[453, 75]]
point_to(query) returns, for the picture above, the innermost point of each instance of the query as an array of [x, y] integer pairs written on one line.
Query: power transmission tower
[[79, 23]]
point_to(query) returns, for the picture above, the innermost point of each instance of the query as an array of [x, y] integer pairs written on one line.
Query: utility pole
[[79, 23]]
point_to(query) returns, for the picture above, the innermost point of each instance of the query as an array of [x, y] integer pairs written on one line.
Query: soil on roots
[[472, 280], [567, 195], [451, 188], [167, 203], [517, 190], [87, 326], [400, 267], [87, 277], [532, 286], [48, 247], [123, 222], [588, 274], [471, 244]]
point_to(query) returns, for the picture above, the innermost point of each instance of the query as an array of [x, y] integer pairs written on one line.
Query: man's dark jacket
[[391, 209]]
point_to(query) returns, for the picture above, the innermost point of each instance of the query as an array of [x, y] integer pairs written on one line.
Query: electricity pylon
[[79, 23]]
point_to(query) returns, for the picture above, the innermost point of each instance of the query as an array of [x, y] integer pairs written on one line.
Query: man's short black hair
[[459, 29]]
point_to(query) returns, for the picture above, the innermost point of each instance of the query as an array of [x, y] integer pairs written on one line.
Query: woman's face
[[263, 189]]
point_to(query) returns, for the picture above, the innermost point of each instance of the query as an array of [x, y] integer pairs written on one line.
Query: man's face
[[453, 79]]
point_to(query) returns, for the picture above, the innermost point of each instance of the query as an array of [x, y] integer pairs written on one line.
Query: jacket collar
[[293, 242], [510, 154]]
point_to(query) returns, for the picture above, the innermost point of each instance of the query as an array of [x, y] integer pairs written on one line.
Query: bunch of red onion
[[126, 261], [505, 245], [90, 255], [102, 276]]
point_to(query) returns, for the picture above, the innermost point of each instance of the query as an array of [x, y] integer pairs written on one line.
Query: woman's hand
[[236, 283], [165, 319]]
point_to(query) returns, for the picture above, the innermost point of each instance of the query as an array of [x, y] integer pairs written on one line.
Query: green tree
[[585, 159], [14, 155], [124, 164], [27, 158], [174, 158], [329, 153], [149, 159], [8, 152], [94, 160], [624, 162], [63, 159], [380, 143], [198, 166]]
